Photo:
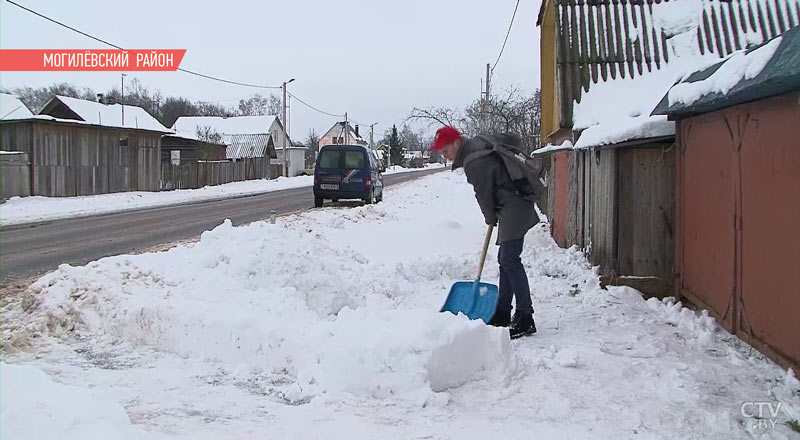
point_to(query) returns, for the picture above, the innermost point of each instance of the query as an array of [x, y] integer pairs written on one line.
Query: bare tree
[[257, 105], [312, 144], [438, 116], [511, 112], [210, 140]]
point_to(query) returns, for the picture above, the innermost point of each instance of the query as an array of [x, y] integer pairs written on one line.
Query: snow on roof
[[619, 109], [769, 70], [12, 108], [549, 148], [96, 113], [186, 126]]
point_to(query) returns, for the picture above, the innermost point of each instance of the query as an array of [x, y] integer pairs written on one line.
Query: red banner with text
[[90, 60]]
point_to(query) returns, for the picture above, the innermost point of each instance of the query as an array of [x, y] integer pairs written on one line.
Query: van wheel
[[370, 198], [318, 202]]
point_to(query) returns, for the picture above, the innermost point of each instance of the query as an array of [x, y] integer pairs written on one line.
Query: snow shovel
[[475, 299]]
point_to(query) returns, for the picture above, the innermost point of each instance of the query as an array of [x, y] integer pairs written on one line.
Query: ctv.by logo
[[765, 413]]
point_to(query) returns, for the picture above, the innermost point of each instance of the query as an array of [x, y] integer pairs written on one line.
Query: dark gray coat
[[499, 202]]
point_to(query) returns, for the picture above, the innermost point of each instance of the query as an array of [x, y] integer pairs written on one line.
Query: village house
[[342, 133], [76, 147], [247, 137]]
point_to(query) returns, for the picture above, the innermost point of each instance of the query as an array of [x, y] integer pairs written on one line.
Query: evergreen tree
[[395, 147]]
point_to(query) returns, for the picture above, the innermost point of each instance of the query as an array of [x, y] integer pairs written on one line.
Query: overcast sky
[[372, 58]]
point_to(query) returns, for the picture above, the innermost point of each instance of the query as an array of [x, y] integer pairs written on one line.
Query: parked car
[[347, 172]]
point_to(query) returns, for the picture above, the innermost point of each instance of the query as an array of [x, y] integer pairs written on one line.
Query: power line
[[314, 108], [191, 72], [507, 34]]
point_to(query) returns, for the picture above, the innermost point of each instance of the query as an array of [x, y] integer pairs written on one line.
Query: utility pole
[[487, 97], [122, 98], [346, 129], [488, 80], [286, 129], [371, 134]]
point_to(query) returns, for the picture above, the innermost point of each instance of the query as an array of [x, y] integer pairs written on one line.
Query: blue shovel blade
[[475, 299]]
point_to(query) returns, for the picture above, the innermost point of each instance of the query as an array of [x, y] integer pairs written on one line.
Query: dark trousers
[[513, 279]]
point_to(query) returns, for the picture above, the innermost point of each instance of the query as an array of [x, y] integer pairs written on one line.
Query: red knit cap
[[444, 136]]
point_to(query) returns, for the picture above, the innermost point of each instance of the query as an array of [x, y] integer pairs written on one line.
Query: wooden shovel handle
[[483, 251]]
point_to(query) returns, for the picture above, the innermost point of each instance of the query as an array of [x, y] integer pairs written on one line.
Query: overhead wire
[[507, 34], [191, 72]]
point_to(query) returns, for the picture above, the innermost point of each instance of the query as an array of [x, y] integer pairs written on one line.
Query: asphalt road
[[30, 250]]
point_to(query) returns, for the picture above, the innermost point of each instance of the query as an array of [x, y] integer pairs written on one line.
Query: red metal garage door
[[770, 240], [707, 215]]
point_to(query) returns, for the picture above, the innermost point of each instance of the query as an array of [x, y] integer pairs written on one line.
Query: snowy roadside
[[22, 210], [325, 326]]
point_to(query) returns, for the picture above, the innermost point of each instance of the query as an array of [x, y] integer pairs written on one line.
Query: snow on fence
[[200, 174]]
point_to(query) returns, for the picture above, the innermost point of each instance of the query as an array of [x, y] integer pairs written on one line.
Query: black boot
[[500, 319], [522, 325]]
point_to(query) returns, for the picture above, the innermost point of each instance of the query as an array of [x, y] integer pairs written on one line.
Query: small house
[[246, 137], [738, 193], [342, 133], [76, 147]]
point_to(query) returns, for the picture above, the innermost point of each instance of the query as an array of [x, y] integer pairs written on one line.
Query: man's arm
[[480, 174]]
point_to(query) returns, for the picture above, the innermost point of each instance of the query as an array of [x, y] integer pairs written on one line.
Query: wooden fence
[[200, 174], [71, 159], [14, 175]]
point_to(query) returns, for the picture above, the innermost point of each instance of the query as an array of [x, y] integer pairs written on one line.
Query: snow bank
[[20, 210], [33, 406], [394, 169], [285, 300]]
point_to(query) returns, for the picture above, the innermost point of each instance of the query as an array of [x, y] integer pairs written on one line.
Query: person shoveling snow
[[500, 202]]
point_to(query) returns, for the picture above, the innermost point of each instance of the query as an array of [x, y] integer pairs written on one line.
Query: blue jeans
[[513, 279]]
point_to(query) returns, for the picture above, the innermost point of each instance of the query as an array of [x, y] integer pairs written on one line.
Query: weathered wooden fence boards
[[200, 174], [78, 160], [620, 210], [14, 175]]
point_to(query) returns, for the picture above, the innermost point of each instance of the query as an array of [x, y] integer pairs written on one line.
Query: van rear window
[[354, 160], [329, 159]]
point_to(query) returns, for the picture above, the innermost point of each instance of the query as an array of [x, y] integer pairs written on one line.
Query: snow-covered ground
[[20, 210], [394, 169], [325, 325]]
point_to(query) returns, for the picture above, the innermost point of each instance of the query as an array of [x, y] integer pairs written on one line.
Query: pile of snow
[[394, 169], [325, 319], [33, 406], [20, 210], [738, 67], [326, 326]]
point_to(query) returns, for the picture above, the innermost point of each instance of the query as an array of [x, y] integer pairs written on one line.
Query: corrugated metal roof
[[242, 146], [780, 75]]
